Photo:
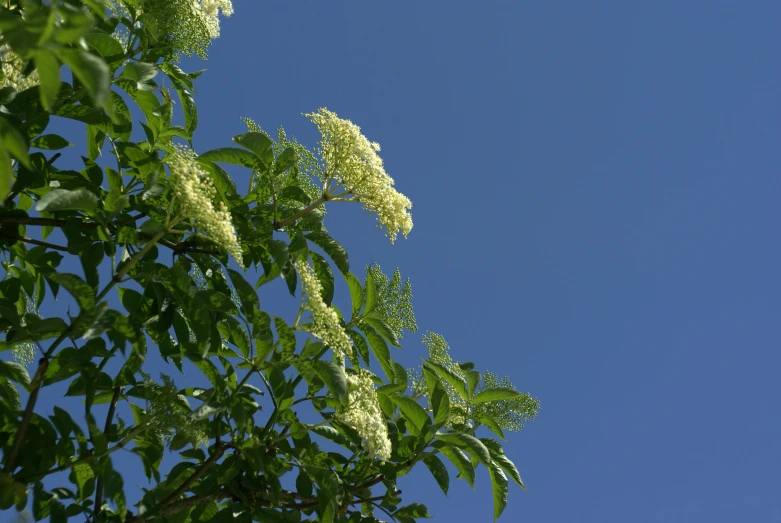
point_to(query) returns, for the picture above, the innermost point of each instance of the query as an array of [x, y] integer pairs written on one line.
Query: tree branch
[[178, 248], [109, 417], [32, 241]]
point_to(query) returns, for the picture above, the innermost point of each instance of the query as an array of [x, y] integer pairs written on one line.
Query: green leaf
[[413, 510], [222, 180], [107, 46], [383, 328], [412, 411], [460, 460], [471, 443], [96, 137], [446, 374], [91, 71], [141, 72], [440, 403], [65, 200], [356, 292], [334, 378], [83, 476], [14, 142], [472, 379], [438, 470], [15, 372], [285, 160], [380, 350], [80, 113], [233, 155], [332, 248], [122, 123], [287, 337], [49, 77], [360, 344], [500, 488], [491, 423], [258, 143], [325, 275], [497, 394], [6, 179], [250, 304], [51, 142], [508, 466], [371, 294], [189, 109], [206, 410], [79, 289]]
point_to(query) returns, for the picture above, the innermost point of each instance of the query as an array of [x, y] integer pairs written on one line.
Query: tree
[[303, 420]]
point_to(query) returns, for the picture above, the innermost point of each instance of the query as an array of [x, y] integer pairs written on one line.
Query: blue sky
[[595, 190]]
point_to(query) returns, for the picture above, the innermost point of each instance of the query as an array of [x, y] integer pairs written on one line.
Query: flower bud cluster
[[325, 321], [352, 160], [195, 192], [364, 414], [168, 412]]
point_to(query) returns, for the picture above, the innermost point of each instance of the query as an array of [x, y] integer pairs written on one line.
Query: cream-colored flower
[[364, 414], [353, 162], [210, 11], [196, 193], [13, 67], [325, 321], [188, 25]]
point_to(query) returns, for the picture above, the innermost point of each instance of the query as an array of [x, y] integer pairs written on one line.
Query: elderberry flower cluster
[[168, 412], [13, 67], [195, 192], [352, 160], [325, 321], [189, 26], [364, 414]]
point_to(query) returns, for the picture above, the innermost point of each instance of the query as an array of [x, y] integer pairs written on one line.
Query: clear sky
[[596, 203]]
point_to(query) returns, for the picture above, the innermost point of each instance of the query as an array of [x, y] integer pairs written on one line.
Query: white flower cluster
[[364, 414], [325, 322], [190, 25], [352, 160], [196, 192], [210, 12], [12, 67]]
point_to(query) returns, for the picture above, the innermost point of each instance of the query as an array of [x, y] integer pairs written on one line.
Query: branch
[[106, 428], [178, 248], [219, 450], [32, 241]]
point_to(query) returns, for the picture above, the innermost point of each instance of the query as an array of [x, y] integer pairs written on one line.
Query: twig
[[32, 241], [109, 417]]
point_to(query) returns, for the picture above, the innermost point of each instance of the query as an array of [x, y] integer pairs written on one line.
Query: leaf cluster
[[103, 232]]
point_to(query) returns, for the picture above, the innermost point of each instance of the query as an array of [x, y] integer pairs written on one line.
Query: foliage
[[149, 225]]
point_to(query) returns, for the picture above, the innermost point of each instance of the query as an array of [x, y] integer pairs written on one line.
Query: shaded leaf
[[332, 248], [500, 487], [65, 200], [51, 142], [412, 411], [439, 471]]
